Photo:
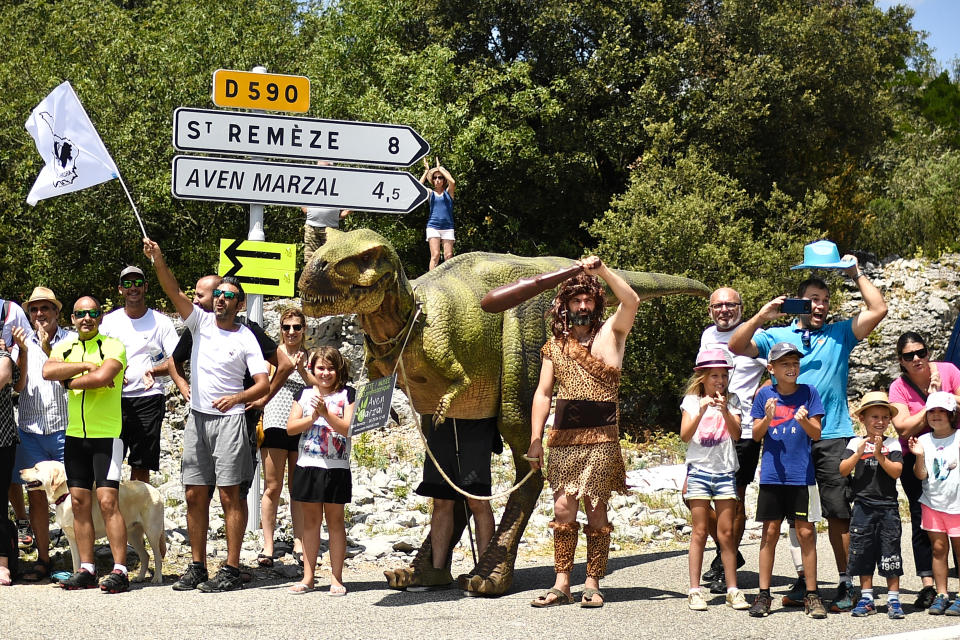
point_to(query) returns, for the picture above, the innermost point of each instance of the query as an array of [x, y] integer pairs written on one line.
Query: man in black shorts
[[149, 337], [463, 449], [91, 367]]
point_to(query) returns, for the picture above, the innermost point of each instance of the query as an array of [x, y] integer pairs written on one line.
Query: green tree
[[681, 215]]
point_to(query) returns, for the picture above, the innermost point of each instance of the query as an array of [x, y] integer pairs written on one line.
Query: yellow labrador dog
[[139, 503]]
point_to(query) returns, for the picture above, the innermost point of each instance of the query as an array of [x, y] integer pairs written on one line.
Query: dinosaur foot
[[401, 578], [490, 586]]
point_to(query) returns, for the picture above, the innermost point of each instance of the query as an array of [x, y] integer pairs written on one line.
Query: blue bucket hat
[[822, 254]]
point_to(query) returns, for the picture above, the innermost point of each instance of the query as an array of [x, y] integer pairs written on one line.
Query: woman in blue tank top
[[440, 222]]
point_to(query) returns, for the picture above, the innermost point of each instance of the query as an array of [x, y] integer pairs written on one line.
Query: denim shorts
[[34, 448], [710, 486]]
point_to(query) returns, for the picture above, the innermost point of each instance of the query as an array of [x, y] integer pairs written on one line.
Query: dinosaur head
[[351, 273]]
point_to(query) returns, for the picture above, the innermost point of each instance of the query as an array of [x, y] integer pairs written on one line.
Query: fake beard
[[580, 319]]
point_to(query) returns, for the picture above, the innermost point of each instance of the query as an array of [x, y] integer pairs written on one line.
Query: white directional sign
[[256, 134], [249, 181]]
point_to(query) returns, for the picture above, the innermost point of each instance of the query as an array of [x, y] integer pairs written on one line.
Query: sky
[[941, 20]]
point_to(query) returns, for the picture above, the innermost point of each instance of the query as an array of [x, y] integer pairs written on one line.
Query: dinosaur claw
[[399, 578], [478, 585]]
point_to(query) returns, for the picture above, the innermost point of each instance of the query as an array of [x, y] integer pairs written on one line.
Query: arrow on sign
[[256, 134], [261, 267], [251, 181]]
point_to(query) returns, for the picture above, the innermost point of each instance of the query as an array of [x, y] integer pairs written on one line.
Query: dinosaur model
[[459, 361]]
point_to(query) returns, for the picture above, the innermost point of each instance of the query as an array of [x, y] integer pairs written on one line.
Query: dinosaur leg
[[493, 574], [412, 576]]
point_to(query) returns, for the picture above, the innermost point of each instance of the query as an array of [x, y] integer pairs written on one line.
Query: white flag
[[73, 153]]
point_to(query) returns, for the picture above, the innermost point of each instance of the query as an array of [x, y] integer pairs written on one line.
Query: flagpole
[[130, 198]]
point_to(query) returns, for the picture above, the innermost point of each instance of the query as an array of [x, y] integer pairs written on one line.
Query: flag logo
[[64, 154]]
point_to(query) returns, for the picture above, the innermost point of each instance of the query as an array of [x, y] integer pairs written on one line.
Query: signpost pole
[[255, 314]]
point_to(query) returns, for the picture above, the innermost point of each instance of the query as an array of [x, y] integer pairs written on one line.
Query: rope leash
[[423, 438]]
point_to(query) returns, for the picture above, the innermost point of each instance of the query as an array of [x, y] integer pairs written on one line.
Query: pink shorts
[[940, 522]]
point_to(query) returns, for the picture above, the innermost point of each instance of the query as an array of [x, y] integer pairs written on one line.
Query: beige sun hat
[[875, 399], [43, 294]]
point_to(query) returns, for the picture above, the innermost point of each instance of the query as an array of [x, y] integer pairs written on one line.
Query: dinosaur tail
[[653, 285]]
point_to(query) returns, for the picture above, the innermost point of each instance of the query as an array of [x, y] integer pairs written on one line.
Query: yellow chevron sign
[[267, 268]]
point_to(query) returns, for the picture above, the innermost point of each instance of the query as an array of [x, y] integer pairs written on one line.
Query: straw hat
[[43, 294]]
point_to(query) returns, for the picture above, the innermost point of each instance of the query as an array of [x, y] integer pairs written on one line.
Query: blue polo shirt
[[825, 365]]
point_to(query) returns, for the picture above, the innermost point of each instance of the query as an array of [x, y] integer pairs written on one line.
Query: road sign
[[262, 267], [269, 91], [257, 134], [373, 405], [251, 181]]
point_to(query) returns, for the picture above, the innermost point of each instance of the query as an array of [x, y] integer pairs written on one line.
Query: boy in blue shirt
[[787, 419]]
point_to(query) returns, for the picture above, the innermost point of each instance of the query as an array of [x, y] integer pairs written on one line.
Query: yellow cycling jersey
[[93, 413]]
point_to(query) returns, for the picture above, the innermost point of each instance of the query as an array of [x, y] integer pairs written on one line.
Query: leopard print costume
[[585, 461]]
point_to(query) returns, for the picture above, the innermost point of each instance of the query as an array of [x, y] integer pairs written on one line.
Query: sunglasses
[[84, 313], [229, 295], [913, 355], [292, 327], [126, 284]]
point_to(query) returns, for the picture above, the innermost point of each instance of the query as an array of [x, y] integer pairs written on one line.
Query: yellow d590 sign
[[262, 267], [268, 91]]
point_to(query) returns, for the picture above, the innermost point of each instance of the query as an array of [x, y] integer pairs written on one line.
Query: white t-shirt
[[148, 340], [745, 377], [218, 361], [320, 445], [941, 488], [323, 217], [711, 449]]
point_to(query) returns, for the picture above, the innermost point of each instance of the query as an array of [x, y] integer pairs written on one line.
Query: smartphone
[[796, 306]]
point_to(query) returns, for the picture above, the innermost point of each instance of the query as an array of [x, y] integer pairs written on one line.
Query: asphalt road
[[646, 598]]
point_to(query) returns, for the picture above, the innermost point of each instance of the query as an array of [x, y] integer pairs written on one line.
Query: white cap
[[942, 400]]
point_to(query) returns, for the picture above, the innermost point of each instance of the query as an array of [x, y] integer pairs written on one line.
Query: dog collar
[[62, 499]]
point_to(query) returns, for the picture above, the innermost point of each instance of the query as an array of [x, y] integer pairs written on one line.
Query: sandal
[[299, 589], [337, 590], [587, 599], [264, 560], [560, 598], [38, 572]]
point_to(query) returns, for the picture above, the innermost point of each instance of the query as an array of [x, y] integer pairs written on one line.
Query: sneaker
[[794, 597], [715, 572], [24, 534], [225, 580], [192, 577], [865, 607], [696, 602], [813, 607], [894, 610], [761, 606], [736, 600], [954, 609], [939, 605], [115, 582], [843, 601], [925, 597], [82, 579], [718, 586]]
